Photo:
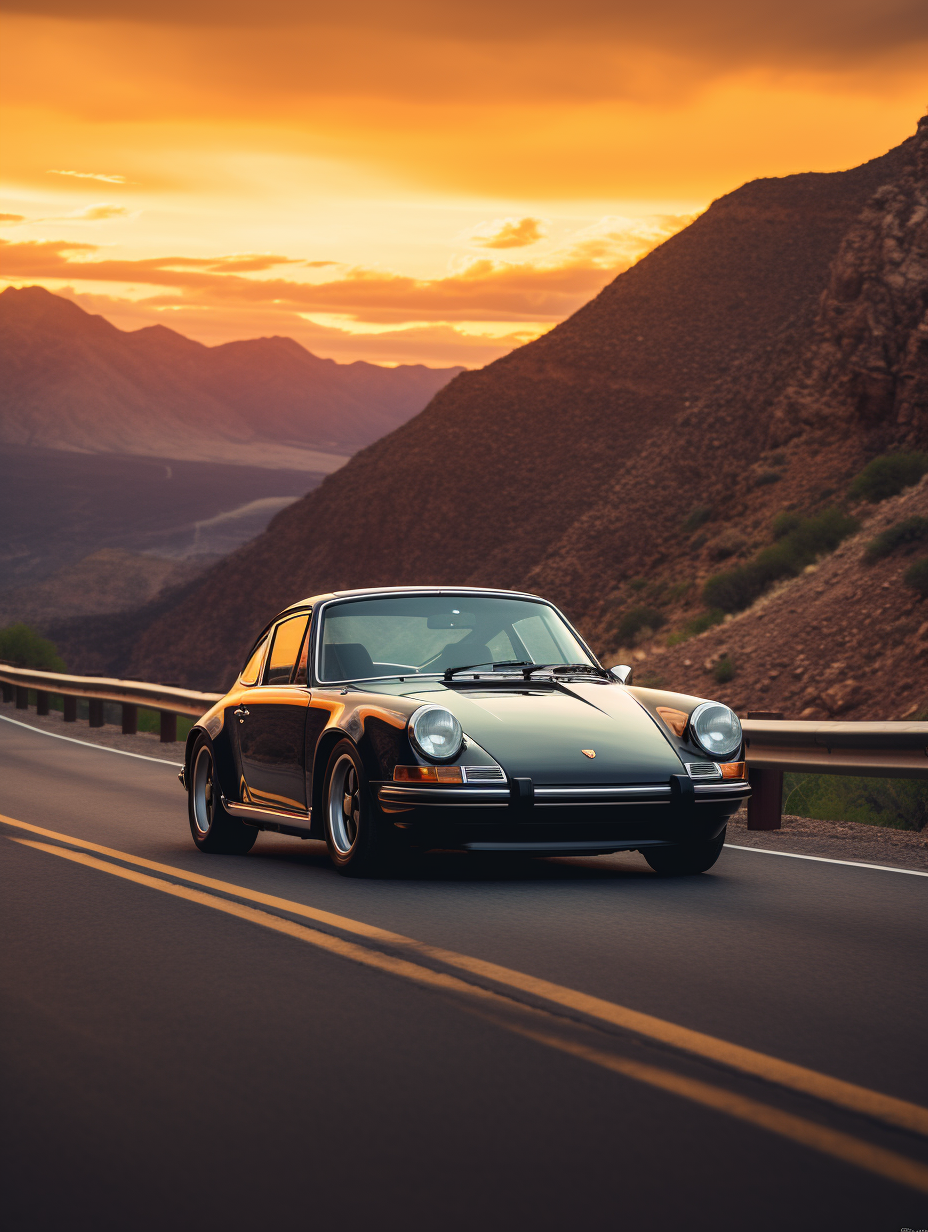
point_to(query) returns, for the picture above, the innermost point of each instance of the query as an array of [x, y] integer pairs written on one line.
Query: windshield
[[407, 635]]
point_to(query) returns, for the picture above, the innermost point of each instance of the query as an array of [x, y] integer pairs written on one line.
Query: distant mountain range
[[72, 381], [748, 367]]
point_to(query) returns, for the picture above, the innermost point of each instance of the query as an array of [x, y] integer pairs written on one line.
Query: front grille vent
[[704, 770], [483, 774]]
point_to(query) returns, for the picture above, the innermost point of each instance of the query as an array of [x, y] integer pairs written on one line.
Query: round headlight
[[717, 729], [436, 733]]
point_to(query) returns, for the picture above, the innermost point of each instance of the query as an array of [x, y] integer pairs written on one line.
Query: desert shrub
[[766, 477], [916, 577], [724, 670], [679, 589], [637, 584], [23, 647], [785, 522], [635, 621], [699, 624], [887, 475], [901, 804], [736, 589], [695, 518], [901, 535]]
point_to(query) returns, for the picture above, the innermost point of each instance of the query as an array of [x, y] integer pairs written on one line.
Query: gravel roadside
[[835, 840]]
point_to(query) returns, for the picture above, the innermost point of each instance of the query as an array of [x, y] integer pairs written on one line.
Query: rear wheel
[[213, 829], [683, 859], [356, 843]]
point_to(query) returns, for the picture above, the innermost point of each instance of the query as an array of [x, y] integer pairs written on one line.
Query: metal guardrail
[[885, 750], [130, 694], [773, 746]]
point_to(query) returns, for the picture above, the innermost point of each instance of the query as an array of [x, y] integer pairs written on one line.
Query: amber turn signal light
[[732, 770], [676, 720], [427, 774]]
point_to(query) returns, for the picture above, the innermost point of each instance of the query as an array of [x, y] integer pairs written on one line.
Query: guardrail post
[[22, 698], [41, 702], [168, 727], [70, 708], [130, 719], [765, 807], [7, 692], [96, 712]]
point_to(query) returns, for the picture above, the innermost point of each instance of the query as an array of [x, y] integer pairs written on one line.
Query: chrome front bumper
[[638, 795]]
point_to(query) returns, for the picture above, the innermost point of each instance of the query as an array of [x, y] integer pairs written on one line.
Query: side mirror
[[622, 673]]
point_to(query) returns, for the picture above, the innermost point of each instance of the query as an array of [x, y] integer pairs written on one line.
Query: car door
[[271, 724]]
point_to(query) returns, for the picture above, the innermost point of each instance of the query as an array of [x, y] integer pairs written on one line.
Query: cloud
[[725, 28], [97, 213], [508, 233], [483, 290], [8, 219], [92, 175]]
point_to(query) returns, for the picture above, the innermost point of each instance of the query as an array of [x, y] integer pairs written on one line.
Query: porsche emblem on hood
[[588, 752]]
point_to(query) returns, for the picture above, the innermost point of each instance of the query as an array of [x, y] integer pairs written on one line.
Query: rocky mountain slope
[[72, 381], [750, 365]]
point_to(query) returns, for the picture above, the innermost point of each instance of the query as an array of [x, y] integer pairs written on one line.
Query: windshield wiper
[[453, 671], [566, 669]]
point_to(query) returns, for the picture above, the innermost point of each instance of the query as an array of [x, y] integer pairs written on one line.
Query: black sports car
[[457, 718]]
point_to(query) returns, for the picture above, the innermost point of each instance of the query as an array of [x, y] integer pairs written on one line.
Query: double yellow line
[[897, 1113]]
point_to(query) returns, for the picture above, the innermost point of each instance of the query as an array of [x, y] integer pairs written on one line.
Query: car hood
[[539, 733]]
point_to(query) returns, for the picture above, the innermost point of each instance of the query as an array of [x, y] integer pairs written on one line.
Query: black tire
[[684, 859], [212, 828], [355, 831]]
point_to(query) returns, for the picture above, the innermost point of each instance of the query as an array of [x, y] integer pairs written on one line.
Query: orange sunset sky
[[415, 181]]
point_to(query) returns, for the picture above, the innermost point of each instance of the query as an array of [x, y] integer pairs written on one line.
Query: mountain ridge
[[72, 380]]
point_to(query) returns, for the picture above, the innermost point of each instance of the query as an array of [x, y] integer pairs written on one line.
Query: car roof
[[368, 591]]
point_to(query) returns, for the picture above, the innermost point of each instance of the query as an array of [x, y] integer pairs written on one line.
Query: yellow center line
[[887, 1108], [838, 1145]]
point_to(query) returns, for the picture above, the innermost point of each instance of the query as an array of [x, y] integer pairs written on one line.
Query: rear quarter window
[[252, 669]]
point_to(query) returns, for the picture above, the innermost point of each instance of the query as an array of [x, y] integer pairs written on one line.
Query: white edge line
[[883, 868], [89, 744]]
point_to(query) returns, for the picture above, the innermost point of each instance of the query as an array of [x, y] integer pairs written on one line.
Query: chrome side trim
[[256, 812]]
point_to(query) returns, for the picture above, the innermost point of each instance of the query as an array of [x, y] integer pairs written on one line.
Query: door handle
[[241, 714]]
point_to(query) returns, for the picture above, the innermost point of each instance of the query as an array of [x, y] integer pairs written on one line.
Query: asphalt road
[[172, 1058]]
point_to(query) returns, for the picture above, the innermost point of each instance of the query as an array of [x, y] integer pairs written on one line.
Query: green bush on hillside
[[636, 620], [695, 518], [798, 546], [916, 577], [699, 624], [23, 647], [901, 804], [724, 670], [887, 475], [904, 534]]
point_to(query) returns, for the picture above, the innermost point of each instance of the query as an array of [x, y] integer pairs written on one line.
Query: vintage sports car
[[459, 718]]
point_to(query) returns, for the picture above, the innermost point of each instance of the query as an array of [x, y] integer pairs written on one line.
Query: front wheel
[[683, 859], [213, 829], [355, 842]]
